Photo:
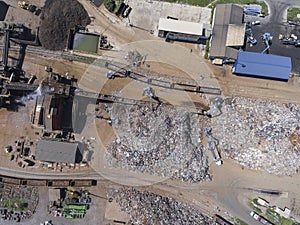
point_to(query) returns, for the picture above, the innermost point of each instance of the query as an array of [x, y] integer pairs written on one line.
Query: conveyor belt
[[137, 75]]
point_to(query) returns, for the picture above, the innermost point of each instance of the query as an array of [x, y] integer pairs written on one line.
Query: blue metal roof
[[262, 65]]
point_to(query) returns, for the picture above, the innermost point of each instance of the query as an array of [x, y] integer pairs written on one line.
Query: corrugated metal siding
[[263, 65], [225, 14], [57, 151]]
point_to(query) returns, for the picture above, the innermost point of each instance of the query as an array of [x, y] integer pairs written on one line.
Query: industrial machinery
[[120, 71], [212, 145], [27, 6], [13, 82], [267, 38], [254, 12], [250, 39], [149, 92], [110, 120]]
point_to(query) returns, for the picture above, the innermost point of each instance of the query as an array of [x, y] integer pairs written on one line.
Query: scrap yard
[[149, 112]]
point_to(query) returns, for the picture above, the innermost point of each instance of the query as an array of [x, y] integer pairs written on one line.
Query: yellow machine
[[27, 6], [23, 5]]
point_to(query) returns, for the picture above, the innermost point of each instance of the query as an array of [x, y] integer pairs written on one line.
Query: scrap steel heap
[[148, 208], [260, 134], [164, 142]]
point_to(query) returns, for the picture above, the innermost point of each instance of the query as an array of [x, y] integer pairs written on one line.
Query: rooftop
[[86, 42], [228, 31], [58, 151], [263, 65], [179, 26]]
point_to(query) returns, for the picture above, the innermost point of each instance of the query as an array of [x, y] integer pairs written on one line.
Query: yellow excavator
[[27, 6]]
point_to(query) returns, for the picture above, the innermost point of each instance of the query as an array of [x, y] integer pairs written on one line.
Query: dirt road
[[118, 32]]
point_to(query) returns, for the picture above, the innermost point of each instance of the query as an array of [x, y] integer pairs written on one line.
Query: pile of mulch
[[57, 18]]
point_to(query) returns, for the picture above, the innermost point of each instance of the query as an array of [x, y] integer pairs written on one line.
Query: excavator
[[27, 6]]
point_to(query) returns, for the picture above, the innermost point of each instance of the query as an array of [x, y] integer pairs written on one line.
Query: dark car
[[297, 43], [288, 42]]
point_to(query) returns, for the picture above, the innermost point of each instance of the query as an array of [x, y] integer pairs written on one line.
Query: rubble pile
[[163, 142], [260, 134], [149, 208]]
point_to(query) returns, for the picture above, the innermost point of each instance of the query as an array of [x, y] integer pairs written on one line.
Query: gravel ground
[[259, 133], [149, 208], [164, 142], [58, 18]]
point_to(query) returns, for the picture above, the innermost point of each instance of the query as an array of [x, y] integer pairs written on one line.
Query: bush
[[110, 5], [206, 49], [252, 206], [238, 221], [292, 14]]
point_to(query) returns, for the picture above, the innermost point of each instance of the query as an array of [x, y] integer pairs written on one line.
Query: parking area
[[276, 48]]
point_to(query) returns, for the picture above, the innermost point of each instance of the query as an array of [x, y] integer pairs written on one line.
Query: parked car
[[297, 43], [288, 41], [252, 40], [254, 23]]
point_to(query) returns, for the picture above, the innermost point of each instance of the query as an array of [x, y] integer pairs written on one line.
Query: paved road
[[277, 24]]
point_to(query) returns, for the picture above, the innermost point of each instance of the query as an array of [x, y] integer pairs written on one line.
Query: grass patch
[[110, 5], [255, 201], [205, 3], [257, 210], [212, 15], [17, 204], [275, 218], [238, 221], [118, 4], [272, 216], [206, 50], [292, 14], [201, 3]]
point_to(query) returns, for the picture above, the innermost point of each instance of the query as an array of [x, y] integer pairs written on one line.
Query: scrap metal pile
[[163, 142], [149, 208], [260, 134], [17, 202]]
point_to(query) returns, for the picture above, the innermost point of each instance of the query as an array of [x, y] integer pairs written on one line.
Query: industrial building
[[52, 113], [3, 10], [59, 151], [80, 40], [228, 34], [178, 30], [262, 66], [97, 3], [53, 105]]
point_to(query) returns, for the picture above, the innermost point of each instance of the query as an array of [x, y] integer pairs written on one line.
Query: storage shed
[[179, 30], [59, 151], [228, 34], [80, 40]]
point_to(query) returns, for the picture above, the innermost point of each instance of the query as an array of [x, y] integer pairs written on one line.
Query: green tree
[[110, 5]]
